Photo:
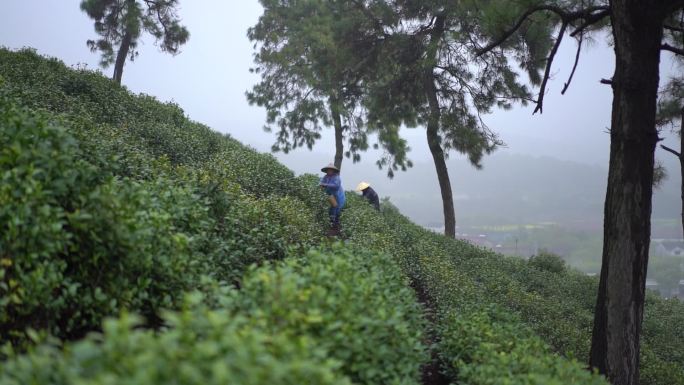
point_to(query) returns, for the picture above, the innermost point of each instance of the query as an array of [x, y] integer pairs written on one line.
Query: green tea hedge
[[330, 317]]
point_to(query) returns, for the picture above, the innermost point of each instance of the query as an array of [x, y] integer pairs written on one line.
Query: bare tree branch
[[673, 28], [606, 81], [574, 67], [675, 50], [677, 154], [590, 20], [549, 61]]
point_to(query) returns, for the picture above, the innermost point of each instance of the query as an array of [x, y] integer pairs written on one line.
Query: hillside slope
[[113, 203]]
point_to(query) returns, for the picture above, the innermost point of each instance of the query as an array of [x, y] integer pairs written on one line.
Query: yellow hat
[[362, 186]]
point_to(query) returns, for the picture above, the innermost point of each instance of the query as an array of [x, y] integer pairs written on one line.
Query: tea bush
[[356, 305], [364, 228], [326, 318], [77, 244], [490, 347], [200, 347], [556, 305], [255, 231], [484, 344], [258, 174], [125, 186], [547, 261]]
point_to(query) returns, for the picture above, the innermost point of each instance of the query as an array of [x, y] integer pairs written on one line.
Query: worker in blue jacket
[[332, 184]]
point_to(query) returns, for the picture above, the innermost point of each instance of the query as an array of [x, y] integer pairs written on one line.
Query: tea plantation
[[140, 247]]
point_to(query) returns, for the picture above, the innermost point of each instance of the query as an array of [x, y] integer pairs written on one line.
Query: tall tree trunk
[[433, 123], [681, 163], [121, 57], [637, 31], [438, 157], [337, 122]]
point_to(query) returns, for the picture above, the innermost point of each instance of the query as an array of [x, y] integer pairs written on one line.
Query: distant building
[[669, 247], [653, 285]]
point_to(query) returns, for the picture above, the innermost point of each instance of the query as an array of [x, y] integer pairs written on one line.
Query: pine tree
[[671, 101], [427, 75], [311, 77], [638, 38], [120, 23]]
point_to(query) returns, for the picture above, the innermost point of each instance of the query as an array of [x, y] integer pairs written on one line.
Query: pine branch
[[675, 50], [673, 28], [377, 23], [574, 67], [566, 17], [591, 20], [668, 149], [547, 71]]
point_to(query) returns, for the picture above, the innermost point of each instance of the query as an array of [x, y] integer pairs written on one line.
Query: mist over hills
[[509, 189]]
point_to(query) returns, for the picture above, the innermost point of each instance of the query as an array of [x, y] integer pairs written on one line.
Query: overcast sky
[[208, 79]]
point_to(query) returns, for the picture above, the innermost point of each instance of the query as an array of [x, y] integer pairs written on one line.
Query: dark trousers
[[334, 213]]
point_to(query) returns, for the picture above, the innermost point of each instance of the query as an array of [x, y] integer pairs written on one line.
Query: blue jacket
[[333, 186]]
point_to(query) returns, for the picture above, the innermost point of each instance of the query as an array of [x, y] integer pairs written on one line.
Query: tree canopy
[[120, 24], [374, 66], [429, 76], [312, 77]]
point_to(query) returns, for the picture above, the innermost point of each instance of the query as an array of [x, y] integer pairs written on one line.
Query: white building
[[669, 247]]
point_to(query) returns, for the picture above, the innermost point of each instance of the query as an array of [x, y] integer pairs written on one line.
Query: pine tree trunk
[[121, 57], [627, 213], [681, 171], [337, 122], [681, 163], [438, 157]]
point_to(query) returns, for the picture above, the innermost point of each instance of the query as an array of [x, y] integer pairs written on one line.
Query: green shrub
[[200, 347], [491, 347], [322, 318], [558, 306], [248, 230], [355, 305], [76, 244], [654, 370], [548, 261], [257, 174], [365, 227]]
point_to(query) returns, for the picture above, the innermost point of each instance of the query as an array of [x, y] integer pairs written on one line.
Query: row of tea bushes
[[477, 343], [79, 242], [328, 317], [545, 297]]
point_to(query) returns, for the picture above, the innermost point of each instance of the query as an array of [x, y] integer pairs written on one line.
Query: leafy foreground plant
[[78, 244], [200, 347], [326, 318]]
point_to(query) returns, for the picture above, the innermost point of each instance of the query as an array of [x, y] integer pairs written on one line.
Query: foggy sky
[[208, 79]]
